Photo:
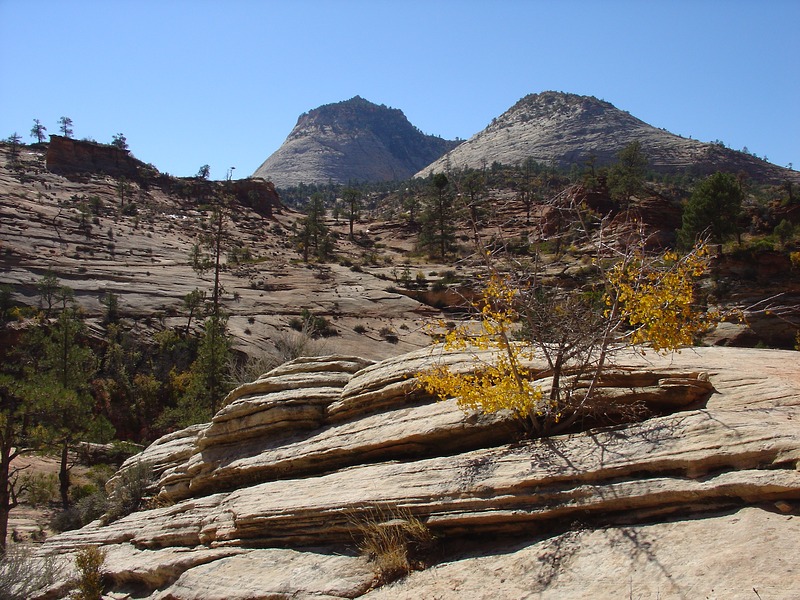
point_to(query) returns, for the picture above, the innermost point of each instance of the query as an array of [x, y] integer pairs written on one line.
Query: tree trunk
[[63, 476], [7, 501]]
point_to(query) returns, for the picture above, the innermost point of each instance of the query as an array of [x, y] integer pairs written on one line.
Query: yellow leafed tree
[[647, 301]]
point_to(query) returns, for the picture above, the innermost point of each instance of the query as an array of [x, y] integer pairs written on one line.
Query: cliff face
[[264, 501], [351, 140], [67, 156], [567, 129]]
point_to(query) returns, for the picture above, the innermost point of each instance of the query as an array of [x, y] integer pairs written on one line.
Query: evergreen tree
[[192, 302], [14, 141], [38, 131], [48, 289], [626, 176], [210, 369], [352, 199], [15, 425], [119, 141], [314, 234], [209, 372], [438, 229], [713, 209], [65, 126], [475, 188], [67, 366]]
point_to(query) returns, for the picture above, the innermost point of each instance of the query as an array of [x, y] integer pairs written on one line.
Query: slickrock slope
[[136, 244], [354, 140], [701, 500], [567, 129]]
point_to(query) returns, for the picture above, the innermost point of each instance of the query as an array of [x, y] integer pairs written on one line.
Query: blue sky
[[223, 82]]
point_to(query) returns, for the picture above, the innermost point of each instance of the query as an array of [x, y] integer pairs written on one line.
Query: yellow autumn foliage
[[648, 301], [656, 299], [499, 384]]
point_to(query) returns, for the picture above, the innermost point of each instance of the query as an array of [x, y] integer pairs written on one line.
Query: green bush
[[130, 210], [66, 520], [313, 325], [40, 488], [784, 231]]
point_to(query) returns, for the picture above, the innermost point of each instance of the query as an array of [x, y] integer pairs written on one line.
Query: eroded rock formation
[[697, 501], [354, 140], [67, 156]]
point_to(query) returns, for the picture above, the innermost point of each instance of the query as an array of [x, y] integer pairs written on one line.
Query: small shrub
[[395, 541], [130, 209], [761, 245], [21, 575], [130, 491], [89, 563], [313, 325], [40, 488], [288, 346], [66, 520], [449, 277], [389, 334], [91, 507], [361, 329], [784, 231]]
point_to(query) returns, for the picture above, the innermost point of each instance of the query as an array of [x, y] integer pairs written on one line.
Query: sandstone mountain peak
[[565, 129], [351, 140]]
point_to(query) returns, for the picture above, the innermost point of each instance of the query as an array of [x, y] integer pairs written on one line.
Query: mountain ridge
[[566, 129]]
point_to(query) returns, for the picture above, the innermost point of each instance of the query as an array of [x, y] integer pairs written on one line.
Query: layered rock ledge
[[262, 502]]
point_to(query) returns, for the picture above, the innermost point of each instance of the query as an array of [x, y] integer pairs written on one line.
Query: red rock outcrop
[[67, 156]]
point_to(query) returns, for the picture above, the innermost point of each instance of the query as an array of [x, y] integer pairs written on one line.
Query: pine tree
[[713, 209], [38, 131], [438, 229]]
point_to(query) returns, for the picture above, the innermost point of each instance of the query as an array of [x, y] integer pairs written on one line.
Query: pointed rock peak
[[352, 140], [356, 111], [560, 105]]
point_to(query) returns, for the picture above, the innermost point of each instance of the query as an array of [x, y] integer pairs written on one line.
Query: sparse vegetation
[[130, 490], [395, 541], [89, 564], [644, 299], [21, 575], [313, 325], [147, 375]]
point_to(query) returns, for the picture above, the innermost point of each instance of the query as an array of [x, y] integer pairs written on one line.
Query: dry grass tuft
[[395, 541]]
